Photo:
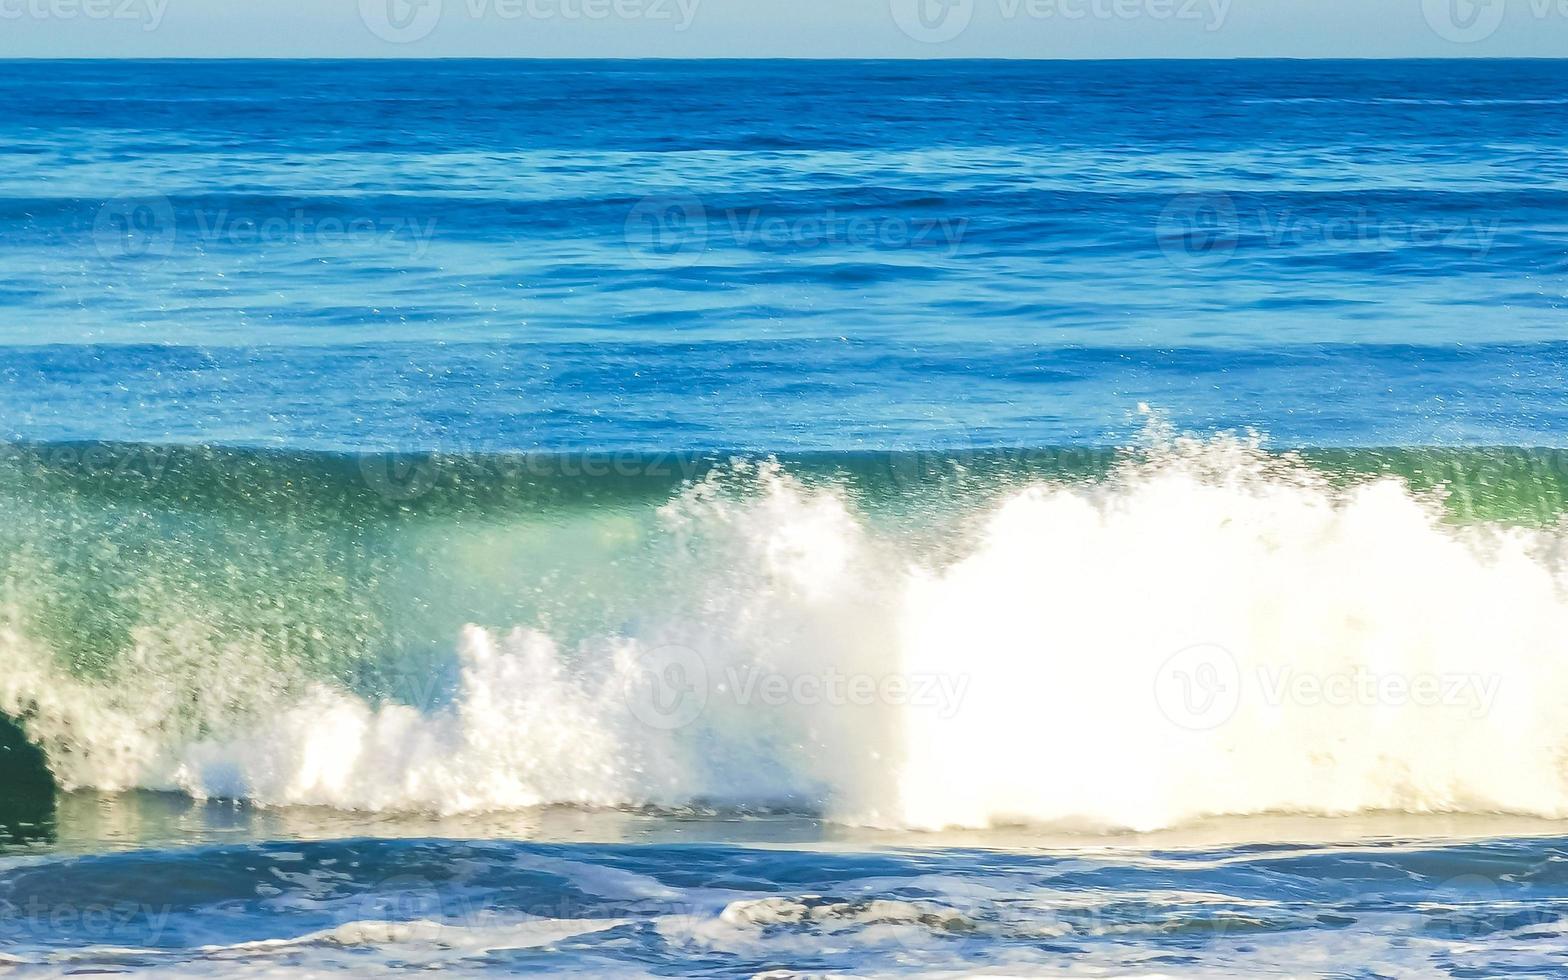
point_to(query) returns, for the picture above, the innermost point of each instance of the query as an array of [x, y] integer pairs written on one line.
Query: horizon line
[[773, 58]]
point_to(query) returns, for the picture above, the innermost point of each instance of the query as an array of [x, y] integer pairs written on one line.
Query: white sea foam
[[377, 933], [776, 911], [1209, 630]]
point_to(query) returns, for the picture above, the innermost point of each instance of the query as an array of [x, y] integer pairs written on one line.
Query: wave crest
[[1209, 629]]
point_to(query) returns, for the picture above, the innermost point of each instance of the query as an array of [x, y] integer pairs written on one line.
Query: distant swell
[[1200, 628]]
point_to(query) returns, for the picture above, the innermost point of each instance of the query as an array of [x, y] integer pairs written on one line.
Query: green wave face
[[354, 564], [354, 569], [222, 580]]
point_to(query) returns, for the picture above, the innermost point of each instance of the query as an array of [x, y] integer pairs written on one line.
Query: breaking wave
[[1195, 628]]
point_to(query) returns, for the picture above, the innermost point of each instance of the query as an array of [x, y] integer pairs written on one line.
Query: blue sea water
[[448, 510], [782, 255]]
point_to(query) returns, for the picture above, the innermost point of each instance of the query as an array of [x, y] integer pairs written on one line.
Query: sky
[[784, 28]]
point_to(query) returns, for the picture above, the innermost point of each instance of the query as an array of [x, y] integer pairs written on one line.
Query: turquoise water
[[1035, 519]]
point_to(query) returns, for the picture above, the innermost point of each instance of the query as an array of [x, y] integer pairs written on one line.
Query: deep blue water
[[782, 255], [490, 907]]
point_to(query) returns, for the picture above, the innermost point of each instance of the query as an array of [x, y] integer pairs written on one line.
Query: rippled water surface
[[783, 519]]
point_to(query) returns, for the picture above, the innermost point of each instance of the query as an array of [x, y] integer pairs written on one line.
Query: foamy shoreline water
[[768, 899]]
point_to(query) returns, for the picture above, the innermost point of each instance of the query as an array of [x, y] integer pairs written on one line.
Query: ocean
[[784, 519]]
